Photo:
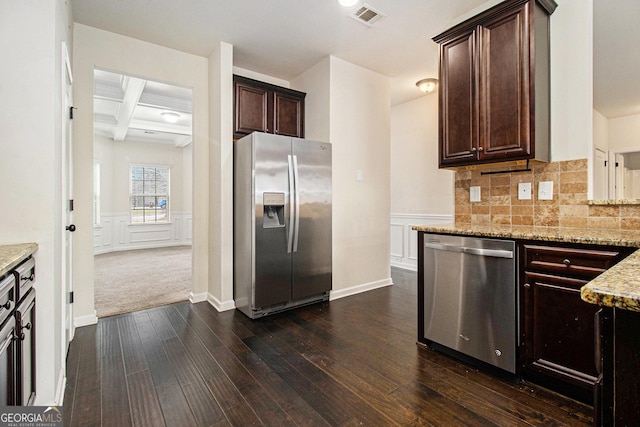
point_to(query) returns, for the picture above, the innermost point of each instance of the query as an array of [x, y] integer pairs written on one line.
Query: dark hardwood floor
[[353, 361]]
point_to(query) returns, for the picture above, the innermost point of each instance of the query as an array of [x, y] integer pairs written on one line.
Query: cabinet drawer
[[570, 262], [25, 275]]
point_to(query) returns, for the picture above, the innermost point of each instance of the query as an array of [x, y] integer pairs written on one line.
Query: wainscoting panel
[[404, 240], [115, 233]]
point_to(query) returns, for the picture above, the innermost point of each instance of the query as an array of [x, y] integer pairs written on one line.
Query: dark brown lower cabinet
[[18, 336], [25, 349], [618, 394], [7, 363], [559, 345]]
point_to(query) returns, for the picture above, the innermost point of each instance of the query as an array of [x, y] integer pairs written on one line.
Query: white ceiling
[[616, 57], [130, 108], [283, 38]]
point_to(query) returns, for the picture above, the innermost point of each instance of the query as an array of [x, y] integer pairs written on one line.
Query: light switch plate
[[474, 194], [524, 191], [545, 190]]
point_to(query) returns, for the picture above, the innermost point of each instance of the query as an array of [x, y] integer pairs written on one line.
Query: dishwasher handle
[[496, 253]]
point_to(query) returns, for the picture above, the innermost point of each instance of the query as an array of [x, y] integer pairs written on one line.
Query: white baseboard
[[220, 305], [404, 265], [90, 319], [354, 290], [195, 298]]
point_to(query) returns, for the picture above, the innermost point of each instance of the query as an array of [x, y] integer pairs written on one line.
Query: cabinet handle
[[7, 305], [480, 149], [567, 262], [526, 285], [27, 326], [30, 278], [474, 149]]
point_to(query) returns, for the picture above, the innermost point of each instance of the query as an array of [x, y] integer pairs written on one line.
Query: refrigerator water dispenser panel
[[273, 215]]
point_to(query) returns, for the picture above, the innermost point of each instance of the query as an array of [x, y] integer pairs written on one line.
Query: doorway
[[142, 193]]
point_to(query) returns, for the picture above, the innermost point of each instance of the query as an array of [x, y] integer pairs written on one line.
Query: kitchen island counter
[[12, 255]]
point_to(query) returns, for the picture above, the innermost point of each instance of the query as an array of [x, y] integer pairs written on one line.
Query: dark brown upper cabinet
[[494, 85], [263, 107]]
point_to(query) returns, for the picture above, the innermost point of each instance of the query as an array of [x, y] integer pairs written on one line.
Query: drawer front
[[25, 277], [6, 296], [569, 262]]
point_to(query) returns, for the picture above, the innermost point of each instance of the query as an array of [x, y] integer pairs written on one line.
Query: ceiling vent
[[367, 15]]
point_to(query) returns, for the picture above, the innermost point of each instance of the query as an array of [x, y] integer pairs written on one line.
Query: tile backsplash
[[499, 203]]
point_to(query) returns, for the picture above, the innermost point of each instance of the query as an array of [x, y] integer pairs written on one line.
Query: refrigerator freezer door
[[272, 262], [312, 259]]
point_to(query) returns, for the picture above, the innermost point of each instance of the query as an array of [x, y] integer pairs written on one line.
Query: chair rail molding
[[404, 240], [116, 233]]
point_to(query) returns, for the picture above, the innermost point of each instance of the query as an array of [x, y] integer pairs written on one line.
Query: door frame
[[67, 197]]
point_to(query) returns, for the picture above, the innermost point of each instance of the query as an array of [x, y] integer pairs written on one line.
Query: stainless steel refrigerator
[[282, 223]]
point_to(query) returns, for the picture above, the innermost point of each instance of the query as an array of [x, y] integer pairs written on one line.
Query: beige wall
[[220, 287], [600, 131], [359, 116], [101, 49], [624, 133], [31, 118], [417, 185], [316, 83], [572, 80]]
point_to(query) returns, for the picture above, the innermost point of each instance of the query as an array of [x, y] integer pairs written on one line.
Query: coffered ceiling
[[130, 108]]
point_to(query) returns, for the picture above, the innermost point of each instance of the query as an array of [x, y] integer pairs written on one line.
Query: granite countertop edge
[[617, 287], [11, 255]]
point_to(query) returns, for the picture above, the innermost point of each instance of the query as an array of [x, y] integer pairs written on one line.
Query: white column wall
[[94, 48]]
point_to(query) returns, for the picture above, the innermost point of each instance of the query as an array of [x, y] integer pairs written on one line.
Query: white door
[[67, 196], [601, 181], [619, 176]]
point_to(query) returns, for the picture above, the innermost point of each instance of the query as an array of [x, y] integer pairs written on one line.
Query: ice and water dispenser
[[273, 215]]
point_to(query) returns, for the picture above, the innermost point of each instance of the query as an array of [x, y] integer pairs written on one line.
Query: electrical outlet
[[524, 191], [545, 190], [474, 194]]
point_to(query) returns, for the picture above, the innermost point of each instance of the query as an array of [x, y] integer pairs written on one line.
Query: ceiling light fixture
[[170, 116], [347, 3], [427, 85]]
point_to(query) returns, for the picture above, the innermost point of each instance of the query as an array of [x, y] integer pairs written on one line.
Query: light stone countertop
[[617, 287], [11, 255]]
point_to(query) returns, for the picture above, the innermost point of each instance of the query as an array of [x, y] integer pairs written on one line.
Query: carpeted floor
[[134, 280]]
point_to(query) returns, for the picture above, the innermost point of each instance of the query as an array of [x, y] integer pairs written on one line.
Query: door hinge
[[605, 163], [617, 164], [71, 297], [71, 112], [70, 205]]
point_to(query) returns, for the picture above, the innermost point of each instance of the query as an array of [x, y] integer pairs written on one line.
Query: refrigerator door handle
[[297, 199], [291, 204]]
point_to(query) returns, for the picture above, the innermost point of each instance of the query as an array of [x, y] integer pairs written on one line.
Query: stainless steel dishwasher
[[470, 297]]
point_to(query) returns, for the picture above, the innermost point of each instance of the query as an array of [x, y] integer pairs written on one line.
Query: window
[[149, 194]]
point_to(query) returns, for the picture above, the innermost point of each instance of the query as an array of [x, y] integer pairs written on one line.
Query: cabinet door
[[458, 106], [504, 87], [558, 333], [288, 115], [7, 363], [251, 109], [26, 357]]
